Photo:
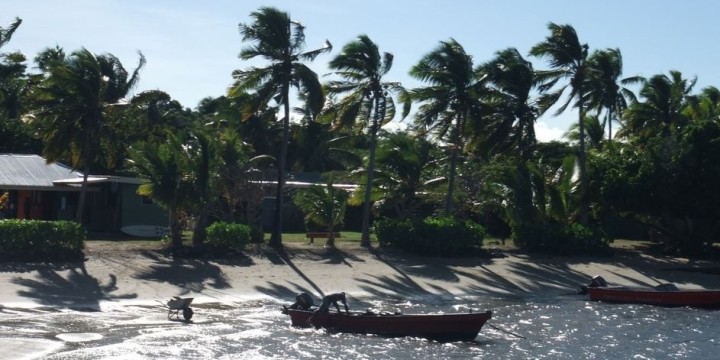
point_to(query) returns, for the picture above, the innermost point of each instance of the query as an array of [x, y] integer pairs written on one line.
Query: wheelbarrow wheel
[[187, 313]]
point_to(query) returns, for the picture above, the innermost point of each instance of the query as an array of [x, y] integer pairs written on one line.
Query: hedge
[[555, 238], [431, 236], [222, 236], [37, 240]]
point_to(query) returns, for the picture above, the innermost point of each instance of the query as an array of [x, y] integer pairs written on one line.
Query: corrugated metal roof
[[31, 171]]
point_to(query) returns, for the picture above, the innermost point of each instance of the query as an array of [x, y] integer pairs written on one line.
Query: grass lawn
[[346, 237]]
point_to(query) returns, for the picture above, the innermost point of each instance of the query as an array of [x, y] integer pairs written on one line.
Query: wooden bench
[[320, 234]]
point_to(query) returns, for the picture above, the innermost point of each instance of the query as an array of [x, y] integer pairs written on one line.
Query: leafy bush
[[36, 240], [431, 236], [222, 236], [391, 232], [553, 237]]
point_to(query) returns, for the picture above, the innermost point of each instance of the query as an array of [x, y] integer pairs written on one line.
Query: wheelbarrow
[[177, 304]]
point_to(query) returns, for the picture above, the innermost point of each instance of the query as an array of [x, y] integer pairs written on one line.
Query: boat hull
[[692, 298], [441, 327]]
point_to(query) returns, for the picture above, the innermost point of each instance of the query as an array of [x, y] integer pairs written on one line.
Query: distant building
[[42, 191]]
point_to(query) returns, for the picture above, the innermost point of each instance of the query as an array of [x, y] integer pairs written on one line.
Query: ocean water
[[563, 327]]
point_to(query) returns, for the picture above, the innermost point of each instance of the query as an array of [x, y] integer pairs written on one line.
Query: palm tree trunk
[[365, 239], [451, 183], [276, 237], [581, 161], [198, 238], [457, 145], [523, 193], [83, 193], [331, 236], [175, 235]]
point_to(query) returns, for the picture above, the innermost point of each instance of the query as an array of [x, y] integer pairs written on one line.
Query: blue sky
[[191, 46]]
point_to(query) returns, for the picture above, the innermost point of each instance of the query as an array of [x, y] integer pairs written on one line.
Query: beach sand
[[121, 273]]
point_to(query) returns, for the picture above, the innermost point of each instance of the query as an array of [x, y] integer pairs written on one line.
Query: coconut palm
[[366, 104], [402, 172], [594, 132], [705, 106], [48, 57], [511, 80], [568, 61], [161, 165], [238, 183], [74, 103], [660, 110], [7, 33], [153, 113], [449, 102], [13, 80], [324, 206], [201, 152], [279, 40], [605, 89]]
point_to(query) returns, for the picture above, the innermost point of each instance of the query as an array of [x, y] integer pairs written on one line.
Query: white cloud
[[545, 133]]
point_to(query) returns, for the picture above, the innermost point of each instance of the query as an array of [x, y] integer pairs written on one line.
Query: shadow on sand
[[288, 256], [540, 275], [76, 289], [191, 275]]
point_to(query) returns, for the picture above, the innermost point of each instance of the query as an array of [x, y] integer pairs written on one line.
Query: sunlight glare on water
[[566, 327]]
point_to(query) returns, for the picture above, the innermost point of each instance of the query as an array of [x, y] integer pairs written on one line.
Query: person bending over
[[303, 301], [333, 299]]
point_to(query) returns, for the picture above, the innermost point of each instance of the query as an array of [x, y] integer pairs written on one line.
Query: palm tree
[[153, 113], [201, 152], [568, 60], [279, 40], [705, 106], [323, 205], [605, 90], [594, 132], [511, 80], [402, 172], [362, 67], [661, 112], [74, 102], [7, 33], [449, 101], [13, 80], [239, 181], [161, 165]]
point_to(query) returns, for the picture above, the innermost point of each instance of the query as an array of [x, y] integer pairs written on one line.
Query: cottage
[[37, 190]]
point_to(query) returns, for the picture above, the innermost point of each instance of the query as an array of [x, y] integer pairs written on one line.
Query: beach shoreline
[[118, 274]]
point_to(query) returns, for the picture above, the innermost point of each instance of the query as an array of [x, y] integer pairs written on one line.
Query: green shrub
[[389, 231], [36, 240], [432, 236], [222, 236], [555, 238]]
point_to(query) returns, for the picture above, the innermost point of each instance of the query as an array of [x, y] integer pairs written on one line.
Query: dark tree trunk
[[276, 237], [83, 194], [365, 239], [581, 163], [175, 230], [198, 238]]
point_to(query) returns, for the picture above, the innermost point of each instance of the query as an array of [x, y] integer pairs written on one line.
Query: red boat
[[656, 296], [441, 327]]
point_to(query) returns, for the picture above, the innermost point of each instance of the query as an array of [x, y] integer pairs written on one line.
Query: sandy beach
[[117, 273], [121, 273]]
